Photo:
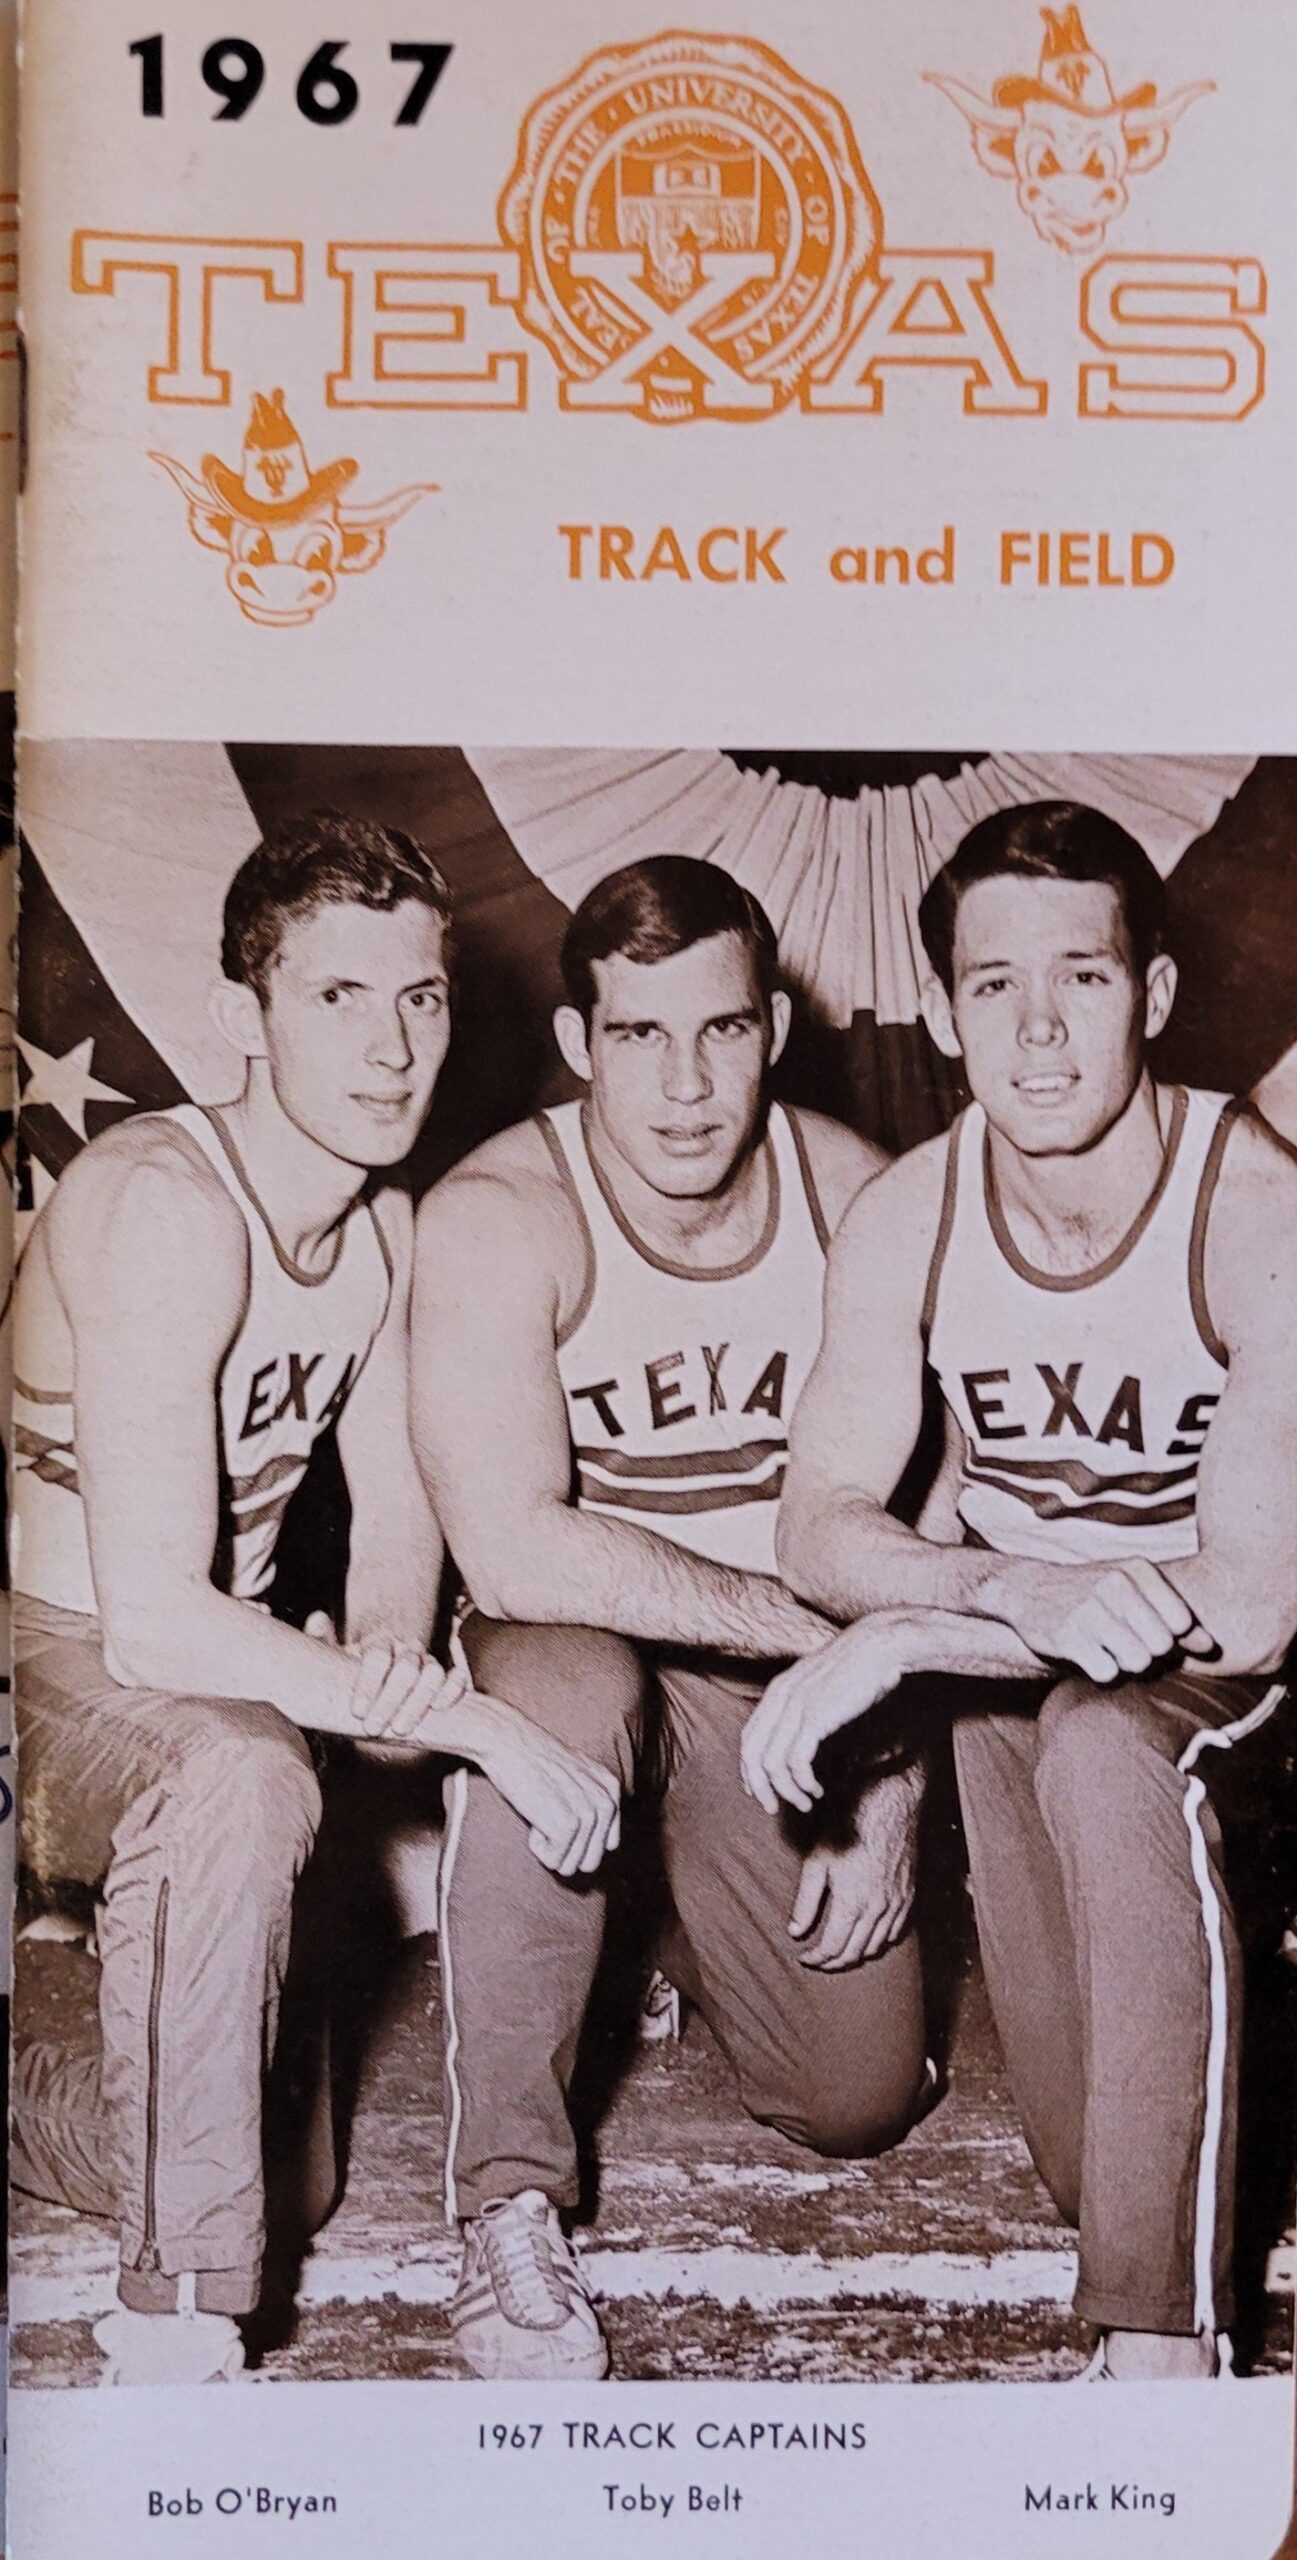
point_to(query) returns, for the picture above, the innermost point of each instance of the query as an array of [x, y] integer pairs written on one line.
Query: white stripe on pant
[[1111, 1951], [456, 1803], [1218, 2043]]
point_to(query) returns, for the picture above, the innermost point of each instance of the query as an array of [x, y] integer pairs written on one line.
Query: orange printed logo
[[694, 224], [286, 535], [1066, 137], [690, 232]]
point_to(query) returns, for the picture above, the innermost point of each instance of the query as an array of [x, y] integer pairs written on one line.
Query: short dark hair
[[1047, 840], [324, 860], [653, 909]]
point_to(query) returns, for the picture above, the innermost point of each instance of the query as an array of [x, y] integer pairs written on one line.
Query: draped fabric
[[840, 879], [130, 849], [139, 844]]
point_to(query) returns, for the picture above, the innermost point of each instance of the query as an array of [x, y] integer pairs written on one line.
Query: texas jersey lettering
[[1084, 1399], [302, 1343], [679, 1383]]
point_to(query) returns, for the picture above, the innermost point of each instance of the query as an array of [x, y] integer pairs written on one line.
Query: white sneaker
[[522, 2312], [661, 2017], [1099, 2369], [168, 2346]]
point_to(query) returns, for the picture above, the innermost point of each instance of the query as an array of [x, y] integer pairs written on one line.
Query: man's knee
[[852, 2086], [581, 1684], [249, 1774], [1095, 1745], [841, 2123]]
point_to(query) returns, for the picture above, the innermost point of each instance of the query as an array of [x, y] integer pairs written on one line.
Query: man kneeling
[[616, 1307], [1101, 1271]]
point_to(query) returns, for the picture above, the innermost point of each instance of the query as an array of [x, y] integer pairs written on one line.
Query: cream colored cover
[[482, 424]]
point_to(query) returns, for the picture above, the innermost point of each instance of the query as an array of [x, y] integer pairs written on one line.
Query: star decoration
[[66, 1083]]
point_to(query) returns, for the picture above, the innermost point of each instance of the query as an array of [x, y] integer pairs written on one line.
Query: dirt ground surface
[[717, 2249]]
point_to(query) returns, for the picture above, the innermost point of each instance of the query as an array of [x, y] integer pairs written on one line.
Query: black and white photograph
[[655, 1551]]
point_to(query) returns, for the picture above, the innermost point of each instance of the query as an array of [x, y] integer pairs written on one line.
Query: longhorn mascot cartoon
[[284, 529], [1071, 143]]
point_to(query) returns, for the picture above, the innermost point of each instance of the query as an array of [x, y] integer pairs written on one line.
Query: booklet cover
[[654, 1441]]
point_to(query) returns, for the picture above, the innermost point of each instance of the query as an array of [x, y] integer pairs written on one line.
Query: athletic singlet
[[300, 1347], [1084, 1399], [680, 1384]]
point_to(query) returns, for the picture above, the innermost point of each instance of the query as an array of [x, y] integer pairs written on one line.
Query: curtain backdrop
[[130, 849], [840, 879]]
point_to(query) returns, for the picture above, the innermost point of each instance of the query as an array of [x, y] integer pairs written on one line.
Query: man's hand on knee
[[812, 1699], [855, 1902]]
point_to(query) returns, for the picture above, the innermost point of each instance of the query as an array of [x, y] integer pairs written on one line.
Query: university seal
[[695, 225]]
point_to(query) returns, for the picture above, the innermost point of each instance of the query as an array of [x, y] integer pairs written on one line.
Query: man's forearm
[[966, 1647], [393, 1580], [850, 1557], [1249, 1615], [574, 1569], [842, 1686], [225, 1648], [1245, 1615], [199, 1643]]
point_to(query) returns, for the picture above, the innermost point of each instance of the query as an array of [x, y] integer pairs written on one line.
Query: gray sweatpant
[[835, 2061], [196, 1815], [1112, 1960]]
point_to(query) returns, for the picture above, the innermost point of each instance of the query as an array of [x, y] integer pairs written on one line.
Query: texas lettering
[[1044, 1402], [676, 1390]]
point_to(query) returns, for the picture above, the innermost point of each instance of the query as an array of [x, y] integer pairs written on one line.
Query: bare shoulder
[[504, 1215], [840, 1162], [138, 1209], [498, 1190], [898, 1214], [1256, 1159], [146, 1169], [1252, 1231]]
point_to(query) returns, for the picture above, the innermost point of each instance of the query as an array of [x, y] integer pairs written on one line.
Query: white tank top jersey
[[1084, 1399], [680, 1384], [299, 1350]]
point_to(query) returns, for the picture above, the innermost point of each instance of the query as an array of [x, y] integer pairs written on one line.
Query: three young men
[[1102, 1273], [207, 1292], [616, 1309]]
